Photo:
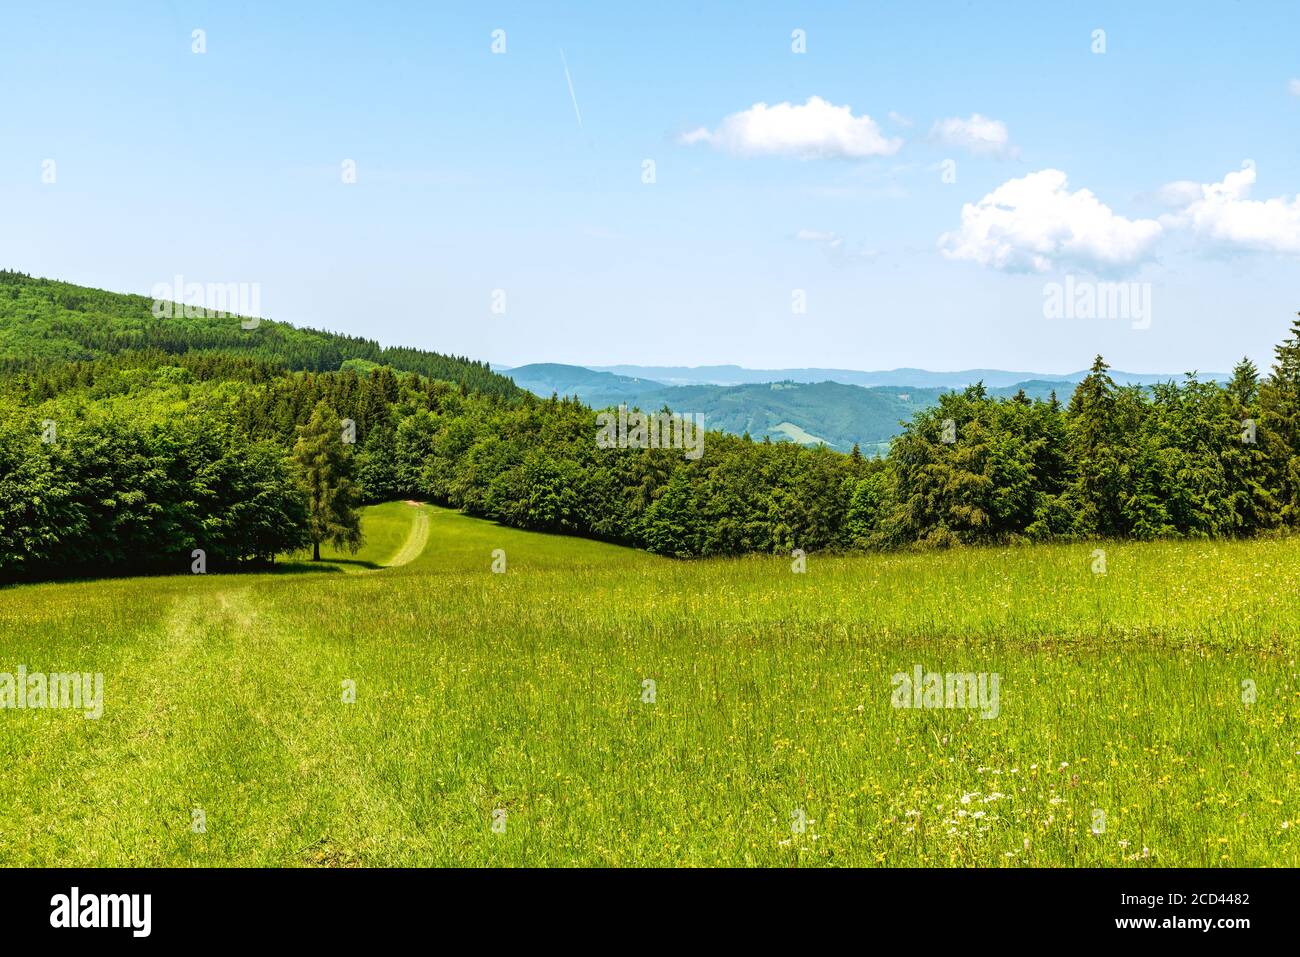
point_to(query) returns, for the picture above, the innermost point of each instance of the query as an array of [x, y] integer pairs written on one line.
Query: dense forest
[[132, 452], [44, 322]]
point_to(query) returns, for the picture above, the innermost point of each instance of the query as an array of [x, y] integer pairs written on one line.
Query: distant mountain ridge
[[826, 411], [922, 378], [574, 380]]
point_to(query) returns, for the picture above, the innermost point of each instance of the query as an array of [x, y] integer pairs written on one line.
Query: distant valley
[[839, 407]]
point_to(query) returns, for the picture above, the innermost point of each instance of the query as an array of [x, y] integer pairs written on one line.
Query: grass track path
[[416, 539]]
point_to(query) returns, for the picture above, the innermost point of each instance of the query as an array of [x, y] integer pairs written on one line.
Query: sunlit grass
[[475, 691], [386, 528]]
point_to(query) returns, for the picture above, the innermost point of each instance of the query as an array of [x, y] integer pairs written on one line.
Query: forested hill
[[130, 443], [44, 322]]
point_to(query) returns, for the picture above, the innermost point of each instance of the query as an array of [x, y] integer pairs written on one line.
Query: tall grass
[[1122, 736]]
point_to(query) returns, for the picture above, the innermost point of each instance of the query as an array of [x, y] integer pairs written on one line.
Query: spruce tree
[[1248, 464], [1279, 425], [1096, 487], [325, 468]]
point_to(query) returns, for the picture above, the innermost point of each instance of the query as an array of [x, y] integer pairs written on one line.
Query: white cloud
[[979, 135], [1223, 214], [815, 130], [1034, 223], [1178, 194], [898, 119], [814, 236], [1294, 87], [835, 246]]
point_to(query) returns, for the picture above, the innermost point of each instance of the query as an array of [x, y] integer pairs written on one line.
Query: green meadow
[[588, 704]]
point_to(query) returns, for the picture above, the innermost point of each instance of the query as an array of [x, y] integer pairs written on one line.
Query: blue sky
[[474, 174]]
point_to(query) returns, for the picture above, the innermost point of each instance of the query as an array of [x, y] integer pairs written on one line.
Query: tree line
[[160, 453]]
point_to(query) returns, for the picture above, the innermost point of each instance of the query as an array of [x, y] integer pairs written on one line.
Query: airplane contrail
[[569, 80]]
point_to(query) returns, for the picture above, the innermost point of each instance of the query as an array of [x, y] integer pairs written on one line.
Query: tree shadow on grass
[[306, 566], [282, 567]]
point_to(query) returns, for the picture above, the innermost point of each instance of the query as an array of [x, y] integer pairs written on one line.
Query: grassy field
[[520, 698], [395, 535]]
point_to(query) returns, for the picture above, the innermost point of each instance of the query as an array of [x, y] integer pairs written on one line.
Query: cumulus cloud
[[1294, 87], [1223, 215], [1034, 223], [1179, 194], [815, 130], [979, 135]]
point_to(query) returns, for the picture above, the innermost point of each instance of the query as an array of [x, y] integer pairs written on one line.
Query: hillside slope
[[44, 322], [543, 378]]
